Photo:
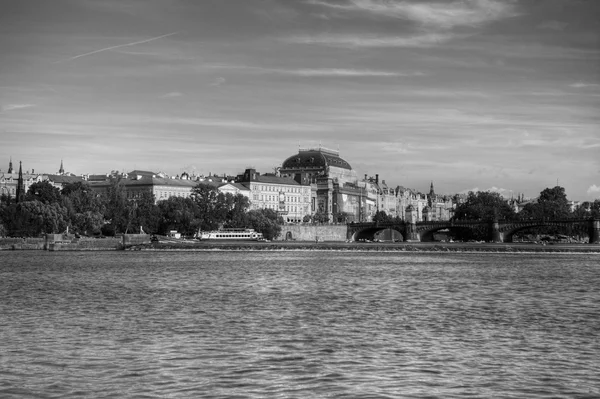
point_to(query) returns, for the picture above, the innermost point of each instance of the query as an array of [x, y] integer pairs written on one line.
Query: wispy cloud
[[332, 72], [438, 15], [218, 82], [12, 107], [352, 40], [553, 25], [312, 72], [118, 46], [593, 189], [580, 85], [241, 124], [172, 94]]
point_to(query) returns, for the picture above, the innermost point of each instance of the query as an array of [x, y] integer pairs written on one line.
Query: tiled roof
[[64, 179], [275, 180]]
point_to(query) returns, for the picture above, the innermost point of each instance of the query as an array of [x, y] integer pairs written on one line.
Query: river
[[293, 324]]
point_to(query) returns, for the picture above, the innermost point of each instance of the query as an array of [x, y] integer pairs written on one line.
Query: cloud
[[424, 40], [240, 124], [118, 46], [342, 72], [593, 189], [172, 94], [580, 85], [553, 25], [502, 191], [311, 72], [11, 107], [218, 82], [439, 15]]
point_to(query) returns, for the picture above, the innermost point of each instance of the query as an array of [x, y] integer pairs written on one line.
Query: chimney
[[376, 178]]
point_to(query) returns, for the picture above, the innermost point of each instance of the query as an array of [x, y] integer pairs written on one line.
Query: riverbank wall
[[314, 233], [22, 243], [61, 242]]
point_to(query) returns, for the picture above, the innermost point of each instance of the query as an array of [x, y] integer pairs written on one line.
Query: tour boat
[[231, 234]]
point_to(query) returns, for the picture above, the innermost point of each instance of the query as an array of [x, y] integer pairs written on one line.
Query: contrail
[[120, 45]]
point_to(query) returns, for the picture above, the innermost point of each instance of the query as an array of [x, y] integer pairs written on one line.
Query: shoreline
[[367, 247]]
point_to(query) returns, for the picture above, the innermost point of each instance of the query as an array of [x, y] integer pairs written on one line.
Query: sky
[[499, 95]]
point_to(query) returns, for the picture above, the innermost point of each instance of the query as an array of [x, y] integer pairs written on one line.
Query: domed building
[[306, 166], [334, 183]]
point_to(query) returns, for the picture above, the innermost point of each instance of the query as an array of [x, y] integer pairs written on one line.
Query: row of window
[[279, 188]]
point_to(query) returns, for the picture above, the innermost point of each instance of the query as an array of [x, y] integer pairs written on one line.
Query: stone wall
[[87, 244], [21, 243], [135, 239], [313, 232]]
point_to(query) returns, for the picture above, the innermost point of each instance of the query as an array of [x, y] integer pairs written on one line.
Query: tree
[[381, 216], [484, 205], [264, 221], [341, 217], [44, 192], [178, 214], [84, 208], [551, 204], [145, 214], [33, 218], [115, 202], [587, 210], [236, 206], [320, 217], [211, 211]]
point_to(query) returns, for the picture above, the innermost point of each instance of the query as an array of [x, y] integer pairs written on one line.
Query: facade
[[17, 184], [337, 190], [138, 181], [234, 189], [290, 199]]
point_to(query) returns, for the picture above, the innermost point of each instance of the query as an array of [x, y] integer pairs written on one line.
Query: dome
[[315, 159]]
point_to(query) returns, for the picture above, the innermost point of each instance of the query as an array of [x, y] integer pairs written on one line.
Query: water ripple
[[302, 324]]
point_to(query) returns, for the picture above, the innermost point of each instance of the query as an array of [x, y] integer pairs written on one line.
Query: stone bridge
[[498, 231]]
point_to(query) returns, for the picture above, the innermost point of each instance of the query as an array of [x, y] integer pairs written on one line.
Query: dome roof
[[315, 159]]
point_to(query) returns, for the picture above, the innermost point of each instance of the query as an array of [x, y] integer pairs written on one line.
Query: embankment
[[359, 246], [63, 242], [321, 233]]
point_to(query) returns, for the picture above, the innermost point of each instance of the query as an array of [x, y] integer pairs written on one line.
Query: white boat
[[232, 234]]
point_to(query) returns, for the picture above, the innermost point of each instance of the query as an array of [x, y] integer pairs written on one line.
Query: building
[[10, 181], [338, 193], [439, 207], [139, 181], [290, 199]]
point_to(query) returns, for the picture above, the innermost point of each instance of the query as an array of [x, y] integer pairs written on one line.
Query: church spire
[[61, 171], [432, 198], [20, 186], [10, 167]]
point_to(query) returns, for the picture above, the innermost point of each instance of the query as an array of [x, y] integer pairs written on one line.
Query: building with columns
[[290, 199], [338, 192]]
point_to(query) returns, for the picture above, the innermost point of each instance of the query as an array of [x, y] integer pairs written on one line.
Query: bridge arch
[[426, 233], [569, 227], [370, 233]]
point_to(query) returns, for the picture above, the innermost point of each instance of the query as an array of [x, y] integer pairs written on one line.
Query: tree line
[[552, 203], [47, 209]]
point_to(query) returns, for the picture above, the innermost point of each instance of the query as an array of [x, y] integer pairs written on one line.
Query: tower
[[20, 186], [431, 198], [61, 171], [10, 167]]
